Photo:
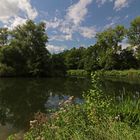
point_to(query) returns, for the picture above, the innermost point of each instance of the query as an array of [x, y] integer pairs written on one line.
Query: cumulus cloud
[[11, 8], [77, 12], [11, 11], [55, 49], [27, 8], [88, 32], [101, 2], [119, 4], [71, 23], [61, 37]]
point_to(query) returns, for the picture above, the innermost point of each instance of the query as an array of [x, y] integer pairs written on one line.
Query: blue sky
[[69, 23]]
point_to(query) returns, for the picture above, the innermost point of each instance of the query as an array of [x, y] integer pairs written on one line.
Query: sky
[[69, 23]]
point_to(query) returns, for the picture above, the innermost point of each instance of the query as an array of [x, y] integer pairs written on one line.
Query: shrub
[[6, 71]]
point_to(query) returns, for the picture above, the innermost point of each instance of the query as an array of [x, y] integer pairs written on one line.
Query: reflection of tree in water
[[21, 98]]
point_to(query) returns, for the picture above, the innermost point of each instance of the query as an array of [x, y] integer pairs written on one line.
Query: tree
[[31, 39], [74, 58], [108, 41], [134, 32], [127, 59], [57, 65], [134, 35], [91, 58], [3, 36], [110, 38]]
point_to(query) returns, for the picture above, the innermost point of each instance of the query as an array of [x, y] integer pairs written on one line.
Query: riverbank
[[123, 75], [99, 117], [78, 73]]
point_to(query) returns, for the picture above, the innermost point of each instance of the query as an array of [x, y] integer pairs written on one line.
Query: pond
[[20, 98]]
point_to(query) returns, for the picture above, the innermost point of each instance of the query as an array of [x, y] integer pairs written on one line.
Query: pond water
[[20, 98]]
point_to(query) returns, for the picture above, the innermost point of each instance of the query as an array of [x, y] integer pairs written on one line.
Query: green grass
[[78, 73], [98, 118], [124, 74]]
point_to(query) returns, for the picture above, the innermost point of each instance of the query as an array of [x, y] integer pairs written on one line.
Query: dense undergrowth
[[98, 118]]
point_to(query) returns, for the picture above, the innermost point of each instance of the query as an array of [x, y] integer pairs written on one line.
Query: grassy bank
[[118, 74], [98, 118], [78, 73]]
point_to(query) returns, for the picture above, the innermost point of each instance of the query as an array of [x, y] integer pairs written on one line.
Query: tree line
[[108, 52], [23, 51]]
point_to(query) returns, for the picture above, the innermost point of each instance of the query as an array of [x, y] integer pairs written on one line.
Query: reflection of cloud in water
[[54, 100]]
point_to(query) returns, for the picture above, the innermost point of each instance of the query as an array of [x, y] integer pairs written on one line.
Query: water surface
[[20, 98]]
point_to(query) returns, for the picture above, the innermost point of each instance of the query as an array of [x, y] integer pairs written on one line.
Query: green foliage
[[97, 118], [134, 32], [31, 39], [6, 70], [134, 35], [78, 73], [58, 67], [24, 50], [110, 38], [3, 37]]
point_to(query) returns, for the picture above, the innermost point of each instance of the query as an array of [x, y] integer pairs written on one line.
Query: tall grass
[[98, 118]]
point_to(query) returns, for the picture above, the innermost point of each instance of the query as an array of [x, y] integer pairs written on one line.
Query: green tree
[[108, 41], [134, 32], [3, 36], [74, 58], [31, 39], [57, 65], [134, 35], [127, 59], [91, 58]]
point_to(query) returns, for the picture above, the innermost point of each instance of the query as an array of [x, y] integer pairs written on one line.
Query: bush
[[6, 71]]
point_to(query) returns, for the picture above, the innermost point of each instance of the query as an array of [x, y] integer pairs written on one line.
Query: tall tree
[[134, 35], [108, 41], [31, 39], [3, 36], [134, 32]]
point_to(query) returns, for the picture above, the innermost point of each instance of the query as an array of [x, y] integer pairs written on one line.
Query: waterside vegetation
[[98, 118]]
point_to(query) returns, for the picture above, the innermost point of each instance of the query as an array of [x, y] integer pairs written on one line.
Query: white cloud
[[71, 22], [101, 2], [13, 8], [27, 8], [119, 4], [16, 21], [55, 49], [88, 32], [61, 37], [77, 12], [53, 23]]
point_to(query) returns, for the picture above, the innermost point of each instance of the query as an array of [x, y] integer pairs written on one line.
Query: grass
[[118, 74], [98, 118], [78, 73]]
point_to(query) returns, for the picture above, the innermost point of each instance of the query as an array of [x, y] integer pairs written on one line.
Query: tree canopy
[[23, 51]]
